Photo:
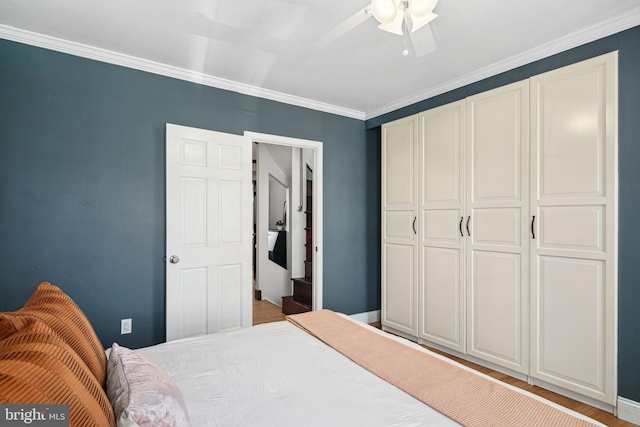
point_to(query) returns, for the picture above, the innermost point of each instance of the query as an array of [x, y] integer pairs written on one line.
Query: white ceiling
[[259, 47]]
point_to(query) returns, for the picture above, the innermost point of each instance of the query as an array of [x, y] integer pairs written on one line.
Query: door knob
[[174, 259]]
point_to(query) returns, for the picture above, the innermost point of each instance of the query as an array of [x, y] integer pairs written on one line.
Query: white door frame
[[316, 226]]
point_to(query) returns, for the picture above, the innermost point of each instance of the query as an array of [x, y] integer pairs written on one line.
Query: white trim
[[572, 395], [595, 32], [367, 317], [400, 333], [611, 26], [316, 227], [629, 410], [111, 57]]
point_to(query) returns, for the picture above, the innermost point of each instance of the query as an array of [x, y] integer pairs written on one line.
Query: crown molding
[[606, 28], [595, 32], [110, 57]]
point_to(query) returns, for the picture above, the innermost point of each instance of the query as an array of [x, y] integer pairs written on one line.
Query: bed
[[277, 374], [281, 374]]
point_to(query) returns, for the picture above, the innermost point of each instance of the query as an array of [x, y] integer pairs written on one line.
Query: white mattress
[[275, 374], [278, 375]]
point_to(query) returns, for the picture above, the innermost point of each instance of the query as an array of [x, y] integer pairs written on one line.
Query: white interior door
[[574, 203], [399, 225], [209, 232], [441, 240], [497, 227]]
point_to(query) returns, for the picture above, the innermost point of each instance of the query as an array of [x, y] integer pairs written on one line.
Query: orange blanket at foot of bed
[[461, 394]]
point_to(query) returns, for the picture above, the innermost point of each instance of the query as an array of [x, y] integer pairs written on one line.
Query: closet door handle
[[533, 233], [461, 219], [414, 225], [468, 218]]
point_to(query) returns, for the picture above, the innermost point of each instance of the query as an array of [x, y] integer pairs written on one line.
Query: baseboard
[[278, 303], [629, 410], [368, 317]]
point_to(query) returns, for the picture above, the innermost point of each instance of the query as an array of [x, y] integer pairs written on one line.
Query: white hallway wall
[[273, 280]]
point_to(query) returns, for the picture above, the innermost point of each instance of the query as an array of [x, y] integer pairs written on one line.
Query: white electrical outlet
[[125, 326]]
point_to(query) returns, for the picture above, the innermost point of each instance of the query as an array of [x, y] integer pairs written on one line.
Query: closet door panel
[[399, 294], [570, 325], [441, 150], [580, 229], [441, 286], [496, 128], [441, 211], [399, 166], [574, 258], [399, 224], [442, 226], [496, 313], [496, 227], [572, 143]]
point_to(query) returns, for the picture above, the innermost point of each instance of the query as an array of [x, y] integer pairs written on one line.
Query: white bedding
[[278, 375], [275, 374]]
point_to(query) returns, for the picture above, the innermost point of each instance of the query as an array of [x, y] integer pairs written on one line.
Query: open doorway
[[288, 257]]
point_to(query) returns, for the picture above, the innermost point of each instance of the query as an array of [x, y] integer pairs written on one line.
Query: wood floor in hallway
[[265, 312]]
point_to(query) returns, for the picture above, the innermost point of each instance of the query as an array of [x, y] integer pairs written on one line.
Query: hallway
[[265, 312]]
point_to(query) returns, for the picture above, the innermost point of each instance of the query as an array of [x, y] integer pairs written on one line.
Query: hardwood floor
[[265, 312], [582, 408]]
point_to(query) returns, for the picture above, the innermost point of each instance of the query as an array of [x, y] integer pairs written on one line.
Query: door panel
[[572, 325], [399, 224], [399, 297], [230, 278], [441, 245], [574, 255], [193, 307], [209, 229], [399, 168], [441, 150], [230, 227], [193, 217], [572, 144], [497, 206], [573, 227], [496, 313], [441, 296], [496, 132], [442, 226], [497, 227]]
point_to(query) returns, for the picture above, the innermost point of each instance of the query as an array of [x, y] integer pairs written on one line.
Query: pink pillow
[[142, 393]]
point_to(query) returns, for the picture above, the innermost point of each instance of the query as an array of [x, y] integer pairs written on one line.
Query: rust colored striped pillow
[[38, 367], [55, 308]]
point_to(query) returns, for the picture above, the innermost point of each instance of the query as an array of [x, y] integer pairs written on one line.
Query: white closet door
[[399, 225], [573, 199], [497, 219], [441, 216]]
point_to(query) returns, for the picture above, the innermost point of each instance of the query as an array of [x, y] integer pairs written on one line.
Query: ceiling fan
[[402, 17]]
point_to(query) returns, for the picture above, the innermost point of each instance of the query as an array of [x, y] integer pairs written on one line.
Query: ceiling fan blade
[[423, 41], [342, 28]]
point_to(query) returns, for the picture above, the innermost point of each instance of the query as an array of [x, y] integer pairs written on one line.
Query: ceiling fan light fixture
[[385, 11], [395, 26], [421, 9]]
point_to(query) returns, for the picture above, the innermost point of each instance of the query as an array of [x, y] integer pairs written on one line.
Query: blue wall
[[628, 45], [82, 193], [82, 184]]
